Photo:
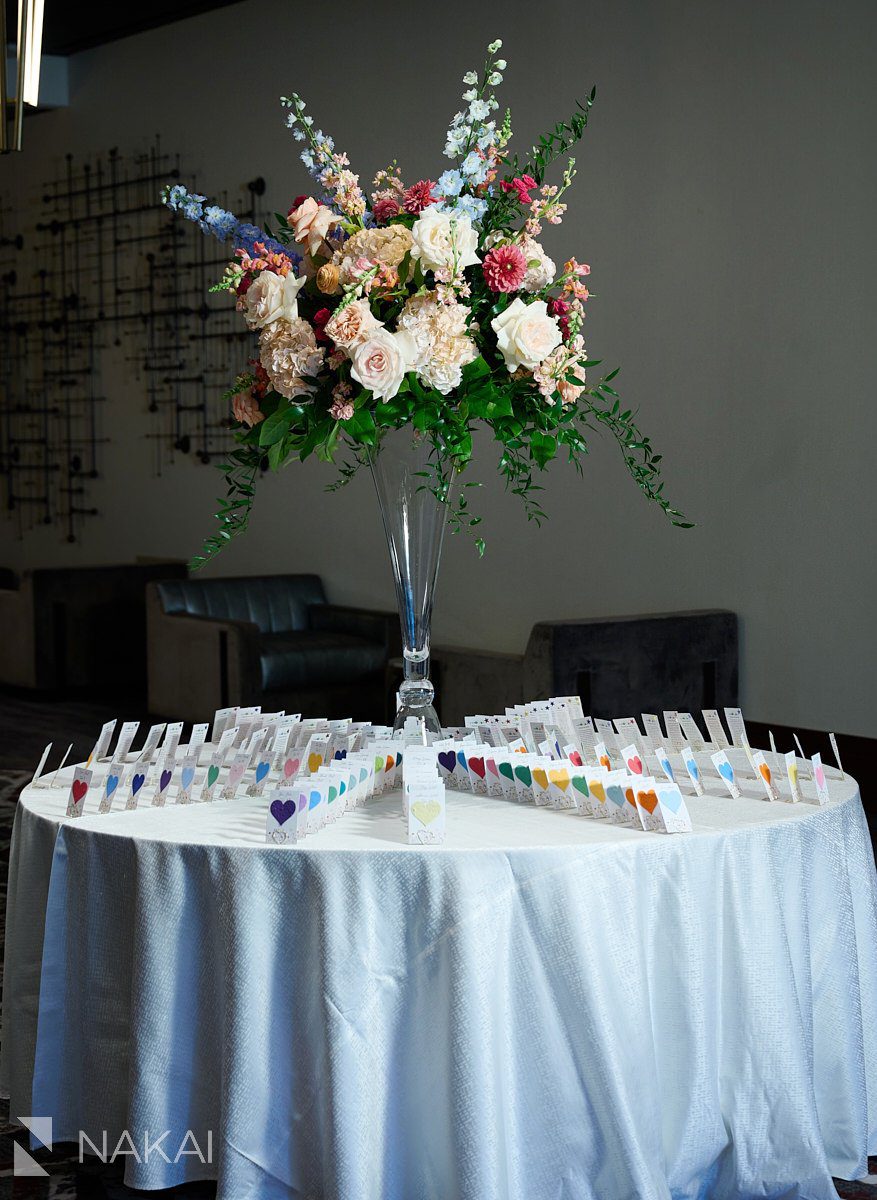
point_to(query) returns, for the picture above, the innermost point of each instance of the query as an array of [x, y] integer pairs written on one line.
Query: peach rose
[[245, 408], [311, 223], [350, 324]]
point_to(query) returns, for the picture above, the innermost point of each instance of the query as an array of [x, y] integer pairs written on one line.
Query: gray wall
[[725, 202]]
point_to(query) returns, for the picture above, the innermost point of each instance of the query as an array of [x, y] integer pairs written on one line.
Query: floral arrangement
[[431, 304]]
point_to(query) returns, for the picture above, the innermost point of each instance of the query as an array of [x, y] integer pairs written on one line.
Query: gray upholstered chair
[[619, 666], [273, 641], [73, 628]]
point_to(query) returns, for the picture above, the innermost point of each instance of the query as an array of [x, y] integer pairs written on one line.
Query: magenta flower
[[418, 197]]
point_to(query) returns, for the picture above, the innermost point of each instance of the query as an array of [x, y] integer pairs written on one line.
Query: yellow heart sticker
[[597, 790], [315, 761], [560, 778], [426, 811], [540, 777]]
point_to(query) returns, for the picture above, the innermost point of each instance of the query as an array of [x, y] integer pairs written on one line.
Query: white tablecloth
[[546, 1008]]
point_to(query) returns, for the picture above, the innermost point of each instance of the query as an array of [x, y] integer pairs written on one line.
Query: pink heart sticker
[[290, 767], [636, 764], [820, 777]]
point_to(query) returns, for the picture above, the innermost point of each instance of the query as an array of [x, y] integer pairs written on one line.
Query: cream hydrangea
[[388, 246], [443, 344], [289, 352]]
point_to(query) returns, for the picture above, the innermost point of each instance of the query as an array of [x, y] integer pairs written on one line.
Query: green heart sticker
[[333, 792], [379, 763], [505, 768], [525, 775], [580, 784], [212, 776]]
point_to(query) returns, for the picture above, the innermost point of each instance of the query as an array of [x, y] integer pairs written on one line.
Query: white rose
[[543, 272], [444, 239], [525, 334], [381, 360], [271, 297]]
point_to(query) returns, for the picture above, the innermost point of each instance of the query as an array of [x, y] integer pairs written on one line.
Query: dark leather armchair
[[273, 641]]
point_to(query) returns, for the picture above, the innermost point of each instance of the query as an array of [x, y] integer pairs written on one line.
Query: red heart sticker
[[477, 765], [80, 787], [575, 757]]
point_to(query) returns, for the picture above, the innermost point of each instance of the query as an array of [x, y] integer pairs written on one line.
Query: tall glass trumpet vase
[[413, 502]]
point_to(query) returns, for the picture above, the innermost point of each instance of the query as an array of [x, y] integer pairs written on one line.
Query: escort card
[[674, 810], [633, 759], [41, 763], [561, 789], [198, 736], [126, 737], [226, 741], [135, 785], [693, 770], [211, 776], [78, 791], [172, 736], [426, 813], [805, 772], [223, 718], [736, 726], [60, 766], [597, 791], [539, 780], [524, 777], [792, 776], [765, 774], [654, 733], [689, 727], [628, 730], [674, 730], [477, 770], [318, 792], [650, 815], [102, 745], [716, 730], [581, 796], [620, 806], [235, 775], [151, 743], [836, 754], [187, 777], [602, 756], [606, 733], [111, 785], [820, 780], [726, 772], [280, 827], [165, 770], [263, 770], [664, 763]]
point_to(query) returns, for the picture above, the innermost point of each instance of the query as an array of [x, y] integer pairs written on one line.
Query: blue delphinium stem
[[222, 224]]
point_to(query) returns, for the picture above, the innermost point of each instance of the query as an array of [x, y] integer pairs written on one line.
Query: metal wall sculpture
[[103, 299]]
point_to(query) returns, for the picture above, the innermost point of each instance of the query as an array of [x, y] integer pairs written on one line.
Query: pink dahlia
[[418, 197], [385, 209], [504, 268]]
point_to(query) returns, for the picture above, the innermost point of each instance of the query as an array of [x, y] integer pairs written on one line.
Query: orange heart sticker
[[560, 779], [631, 799], [315, 761], [605, 761], [765, 772], [540, 777], [648, 800], [391, 762]]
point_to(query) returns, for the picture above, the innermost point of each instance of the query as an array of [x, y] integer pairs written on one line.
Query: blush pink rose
[[311, 223]]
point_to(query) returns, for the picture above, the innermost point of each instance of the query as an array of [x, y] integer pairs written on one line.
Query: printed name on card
[[151, 744], [627, 729], [690, 728], [726, 772], [78, 791], [43, 758], [601, 753], [172, 736], [736, 727], [280, 826], [820, 779], [674, 730], [716, 730], [102, 744], [652, 726], [126, 738]]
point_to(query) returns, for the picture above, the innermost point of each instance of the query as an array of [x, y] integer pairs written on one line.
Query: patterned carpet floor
[[68, 1179]]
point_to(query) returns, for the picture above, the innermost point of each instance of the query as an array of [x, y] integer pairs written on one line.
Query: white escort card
[[187, 777], [281, 828], [736, 727], [127, 734], [674, 730], [78, 791], [765, 774], [822, 795], [716, 730], [791, 762], [690, 728], [151, 744], [726, 772], [693, 770], [113, 781]]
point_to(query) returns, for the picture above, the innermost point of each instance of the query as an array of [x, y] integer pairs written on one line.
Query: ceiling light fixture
[[29, 51]]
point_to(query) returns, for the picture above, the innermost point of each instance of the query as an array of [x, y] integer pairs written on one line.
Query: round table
[[545, 1007]]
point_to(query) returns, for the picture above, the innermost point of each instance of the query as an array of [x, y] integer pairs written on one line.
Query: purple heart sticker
[[164, 780], [137, 783], [282, 810], [448, 759]]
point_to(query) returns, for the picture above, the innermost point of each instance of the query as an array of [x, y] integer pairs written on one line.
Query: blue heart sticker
[[262, 770], [315, 799], [137, 783], [112, 784], [670, 798], [188, 774], [726, 771]]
